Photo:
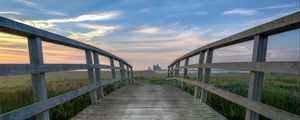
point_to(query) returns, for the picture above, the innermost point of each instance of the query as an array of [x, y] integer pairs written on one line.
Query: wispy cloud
[[10, 12], [170, 42], [240, 11], [254, 11], [147, 30], [183, 5], [278, 6], [39, 7], [87, 17], [259, 21], [97, 31]]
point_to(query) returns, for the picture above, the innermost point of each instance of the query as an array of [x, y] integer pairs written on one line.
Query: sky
[[147, 32]]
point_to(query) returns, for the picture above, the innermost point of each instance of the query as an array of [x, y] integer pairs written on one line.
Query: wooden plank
[[39, 86], [99, 91], [197, 94], [277, 67], [263, 109], [91, 76], [149, 102], [209, 56], [287, 23], [255, 90]]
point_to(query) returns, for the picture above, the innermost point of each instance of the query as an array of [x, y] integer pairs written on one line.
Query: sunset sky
[[147, 32]]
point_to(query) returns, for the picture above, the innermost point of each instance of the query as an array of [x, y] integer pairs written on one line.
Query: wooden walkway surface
[[149, 102]]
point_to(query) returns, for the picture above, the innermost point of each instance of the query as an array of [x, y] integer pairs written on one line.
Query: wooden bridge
[[144, 101]]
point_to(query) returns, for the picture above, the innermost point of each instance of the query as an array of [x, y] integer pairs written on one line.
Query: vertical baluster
[[198, 89], [256, 78], [209, 56], [185, 74], [122, 72], [39, 86], [128, 75], [98, 75], [89, 62], [177, 72], [169, 81], [171, 74], [113, 73], [131, 76]]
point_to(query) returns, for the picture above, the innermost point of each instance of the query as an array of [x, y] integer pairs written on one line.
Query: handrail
[[280, 25], [37, 69], [257, 67], [13, 27]]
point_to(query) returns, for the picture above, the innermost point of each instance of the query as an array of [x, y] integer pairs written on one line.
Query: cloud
[[170, 42], [148, 30], [38, 6], [49, 23], [278, 6], [11, 12], [254, 11], [97, 31], [182, 5], [240, 11], [260, 21]]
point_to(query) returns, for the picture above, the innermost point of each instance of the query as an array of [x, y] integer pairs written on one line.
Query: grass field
[[16, 92], [281, 91]]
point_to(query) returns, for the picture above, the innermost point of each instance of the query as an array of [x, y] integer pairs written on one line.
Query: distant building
[[156, 67]]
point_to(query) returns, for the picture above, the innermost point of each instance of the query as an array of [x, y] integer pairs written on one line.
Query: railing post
[[113, 73], [209, 56], [185, 74], [256, 78], [39, 86], [131, 76], [98, 74], [177, 72], [89, 62], [122, 72], [198, 89], [169, 81], [128, 74]]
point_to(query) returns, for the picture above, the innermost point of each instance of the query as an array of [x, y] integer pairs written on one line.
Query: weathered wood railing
[[257, 67], [37, 69]]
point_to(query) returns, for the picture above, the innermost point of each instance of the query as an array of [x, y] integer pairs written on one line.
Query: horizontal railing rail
[[37, 69], [276, 67], [257, 67], [18, 69]]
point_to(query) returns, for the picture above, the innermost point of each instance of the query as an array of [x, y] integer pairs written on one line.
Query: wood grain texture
[[149, 102]]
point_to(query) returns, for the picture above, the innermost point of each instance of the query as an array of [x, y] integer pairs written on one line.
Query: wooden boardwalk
[[149, 102]]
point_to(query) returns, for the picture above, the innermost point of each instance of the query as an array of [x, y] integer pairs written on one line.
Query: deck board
[[149, 102]]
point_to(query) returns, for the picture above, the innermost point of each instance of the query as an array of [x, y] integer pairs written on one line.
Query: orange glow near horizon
[[14, 50]]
